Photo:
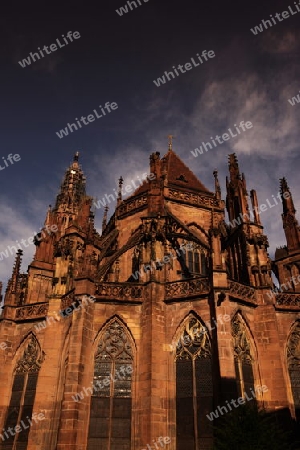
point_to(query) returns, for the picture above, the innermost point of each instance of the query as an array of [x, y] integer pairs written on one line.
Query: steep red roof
[[178, 174]]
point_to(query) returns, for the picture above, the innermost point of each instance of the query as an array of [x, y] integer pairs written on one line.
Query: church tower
[[131, 338]]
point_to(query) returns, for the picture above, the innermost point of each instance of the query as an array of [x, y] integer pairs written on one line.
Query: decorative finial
[[171, 137], [283, 185], [232, 160], [120, 188], [217, 185], [104, 221], [286, 198], [233, 166], [16, 269], [76, 156]]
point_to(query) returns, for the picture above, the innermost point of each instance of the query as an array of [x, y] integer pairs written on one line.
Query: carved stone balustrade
[[242, 292], [287, 301], [193, 199], [31, 311], [67, 300], [187, 289], [124, 292], [131, 205]]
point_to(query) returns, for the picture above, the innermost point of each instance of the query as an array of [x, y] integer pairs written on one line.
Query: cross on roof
[[170, 137]]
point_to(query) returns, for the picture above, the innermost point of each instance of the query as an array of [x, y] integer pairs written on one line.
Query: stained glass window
[[110, 418], [194, 386], [243, 359], [22, 398]]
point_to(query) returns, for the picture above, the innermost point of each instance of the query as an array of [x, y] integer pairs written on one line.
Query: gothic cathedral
[[129, 339]]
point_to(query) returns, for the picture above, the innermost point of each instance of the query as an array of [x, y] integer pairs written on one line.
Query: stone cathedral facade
[[128, 339]]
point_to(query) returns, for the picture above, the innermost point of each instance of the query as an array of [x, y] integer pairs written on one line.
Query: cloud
[[235, 86], [281, 44], [275, 125], [14, 226]]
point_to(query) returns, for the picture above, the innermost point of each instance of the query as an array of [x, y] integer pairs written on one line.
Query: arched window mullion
[[111, 407], [242, 357], [194, 393], [23, 396]]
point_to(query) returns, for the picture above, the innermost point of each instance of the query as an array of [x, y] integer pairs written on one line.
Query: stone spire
[[255, 207], [16, 270], [237, 197], [217, 185], [234, 170], [72, 190], [121, 181], [104, 221], [13, 284], [290, 223]]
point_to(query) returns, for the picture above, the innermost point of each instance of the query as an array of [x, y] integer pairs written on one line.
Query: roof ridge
[[195, 183]]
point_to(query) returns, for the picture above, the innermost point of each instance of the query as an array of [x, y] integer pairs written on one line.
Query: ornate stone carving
[[240, 290], [242, 349], [260, 239], [122, 291], [193, 199], [186, 288], [194, 342], [32, 358], [93, 259], [67, 300], [136, 203], [114, 344], [293, 348], [154, 229], [288, 299], [175, 228], [30, 311], [63, 248]]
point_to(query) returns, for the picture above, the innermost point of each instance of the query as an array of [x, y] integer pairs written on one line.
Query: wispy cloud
[[14, 226], [275, 42]]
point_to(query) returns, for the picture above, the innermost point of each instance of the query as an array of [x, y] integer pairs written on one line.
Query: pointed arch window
[[22, 398], [111, 404], [243, 360], [194, 386], [293, 360]]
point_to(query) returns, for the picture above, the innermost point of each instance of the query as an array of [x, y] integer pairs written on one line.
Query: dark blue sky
[[116, 59]]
